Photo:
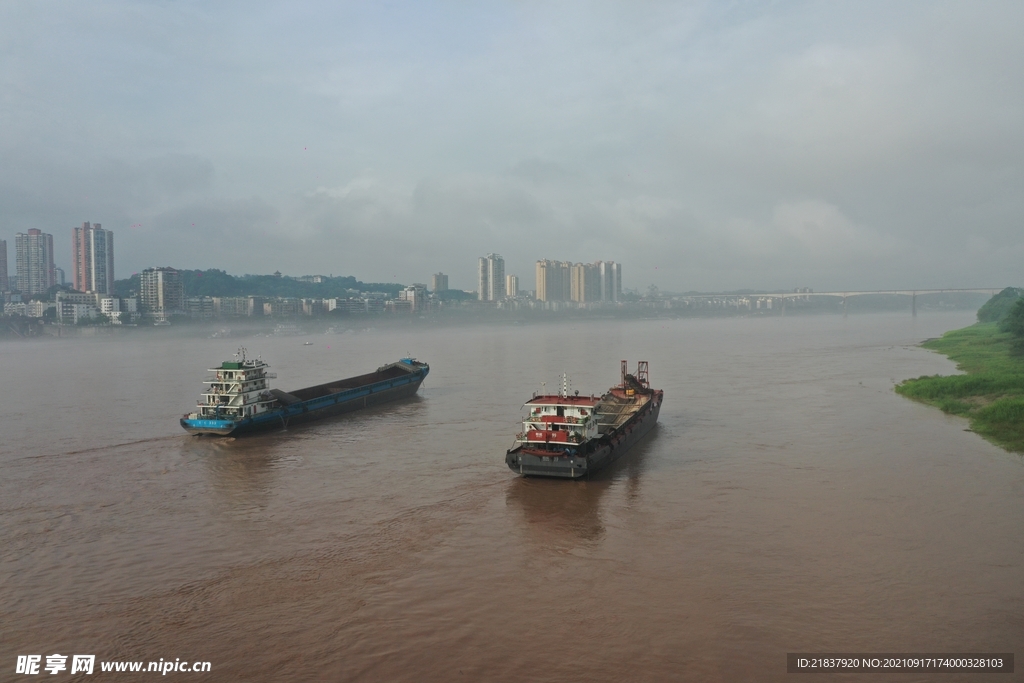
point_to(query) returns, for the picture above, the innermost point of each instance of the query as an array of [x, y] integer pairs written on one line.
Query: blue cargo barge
[[239, 400]]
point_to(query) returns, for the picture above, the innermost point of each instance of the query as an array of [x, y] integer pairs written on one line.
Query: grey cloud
[[705, 145], [42, 190], [211, 233]]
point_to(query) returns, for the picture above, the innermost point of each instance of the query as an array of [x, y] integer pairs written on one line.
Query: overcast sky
[[705, 146]]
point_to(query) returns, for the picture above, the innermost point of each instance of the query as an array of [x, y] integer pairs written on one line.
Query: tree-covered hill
[[996, 308]]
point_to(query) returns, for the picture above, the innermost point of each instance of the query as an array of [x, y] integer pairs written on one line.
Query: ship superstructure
[[568, 435], [237, 389]]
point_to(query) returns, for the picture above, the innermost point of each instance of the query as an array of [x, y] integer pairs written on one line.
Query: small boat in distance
[[573, 436], [238, 399]]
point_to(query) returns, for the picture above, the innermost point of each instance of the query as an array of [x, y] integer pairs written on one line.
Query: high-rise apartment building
[[554, 280], [439, 283], [92, 250], [581, 282], [497, 276], [511, 285], [566, 270], [3, 266], [549, 281], [491, 278], [585, 283], [611, 280], [161, 292], [34, 256]]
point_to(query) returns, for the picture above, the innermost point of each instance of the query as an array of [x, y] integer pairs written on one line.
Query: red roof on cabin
[[581, 401]]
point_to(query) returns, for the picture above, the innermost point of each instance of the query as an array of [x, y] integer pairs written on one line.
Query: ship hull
[[328, 404], [614, 446]]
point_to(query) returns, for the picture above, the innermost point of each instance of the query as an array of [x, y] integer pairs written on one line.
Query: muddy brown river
[[788, 501]]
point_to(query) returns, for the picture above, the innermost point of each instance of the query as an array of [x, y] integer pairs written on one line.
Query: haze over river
[[788, 501]]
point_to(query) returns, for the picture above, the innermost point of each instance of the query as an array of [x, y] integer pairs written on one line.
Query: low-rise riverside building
[[91, 304], [282, 308], [37, 309], [69, 313], [237, 306], [398, 306], [416, 295], [199, 307], [314, 307], [348, 306]]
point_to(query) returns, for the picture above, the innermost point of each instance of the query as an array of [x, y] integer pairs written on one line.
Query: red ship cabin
[[559, 422]]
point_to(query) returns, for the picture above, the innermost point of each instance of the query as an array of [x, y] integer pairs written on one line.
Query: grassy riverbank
[[990, 394]]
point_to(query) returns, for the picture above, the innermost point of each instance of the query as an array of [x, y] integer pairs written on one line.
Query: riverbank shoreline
[[990, 393]]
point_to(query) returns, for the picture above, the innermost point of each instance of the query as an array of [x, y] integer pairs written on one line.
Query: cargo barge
[[238, 398], [573, 436]]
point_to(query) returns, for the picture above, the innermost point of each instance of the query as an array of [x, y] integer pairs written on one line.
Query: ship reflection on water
[[561, 512], [557, 511]]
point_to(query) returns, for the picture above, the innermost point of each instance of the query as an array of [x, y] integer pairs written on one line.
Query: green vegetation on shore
[[998, 307], [991, 393]]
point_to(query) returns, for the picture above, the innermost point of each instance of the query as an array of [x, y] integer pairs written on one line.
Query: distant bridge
[[912, 293]]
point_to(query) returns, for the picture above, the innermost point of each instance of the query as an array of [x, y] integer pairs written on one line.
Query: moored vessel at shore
[[239, 400], [572, 436]]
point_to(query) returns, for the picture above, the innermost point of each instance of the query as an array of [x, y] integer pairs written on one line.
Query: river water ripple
[[789, 500]]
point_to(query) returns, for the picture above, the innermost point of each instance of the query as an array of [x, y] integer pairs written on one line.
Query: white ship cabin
[[238, 389], [560, 421]]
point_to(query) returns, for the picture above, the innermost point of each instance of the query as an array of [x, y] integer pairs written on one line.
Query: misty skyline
[[705, 146]]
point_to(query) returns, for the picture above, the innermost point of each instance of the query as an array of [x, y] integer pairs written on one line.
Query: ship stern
[[199, 427], [554, 465]]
